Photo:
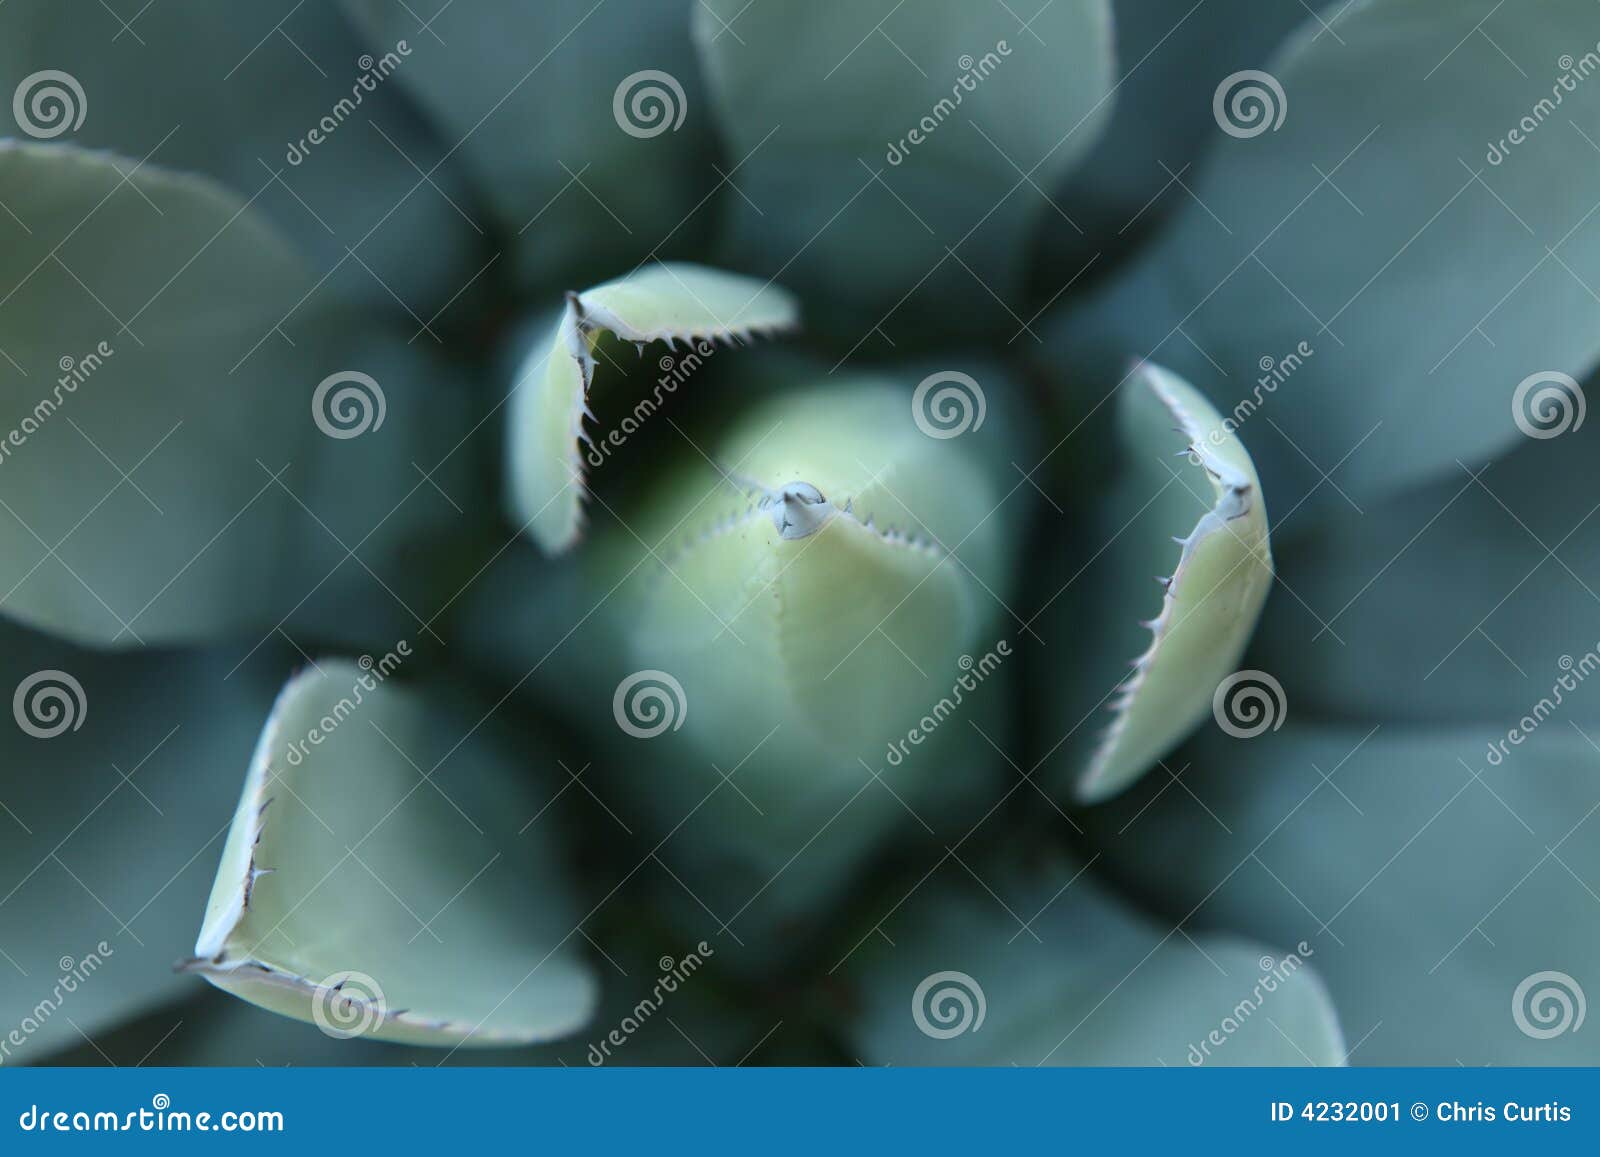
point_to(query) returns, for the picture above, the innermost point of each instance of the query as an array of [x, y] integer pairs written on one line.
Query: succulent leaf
[[585, 126], [279, 113], [890, 158], [149, 347], [106, 805], [954, 980], [1468, 599], [1427, 879], [1388, 242], [375, 880], [549, 399], [1213, 596]]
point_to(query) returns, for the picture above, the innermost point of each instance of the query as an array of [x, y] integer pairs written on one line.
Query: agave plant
[[657, 502]]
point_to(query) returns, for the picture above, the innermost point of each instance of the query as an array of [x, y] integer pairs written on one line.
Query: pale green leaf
[[380, 877], [1197, 616], [549, 400]]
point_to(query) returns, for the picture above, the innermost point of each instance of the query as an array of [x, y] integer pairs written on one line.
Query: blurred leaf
[[549, 400], [1170, 56], [237, 91], [177, 465], [1213, 596], [1430, 881], [108, 811], [584, 125], [1470, 599], [958, 978], [359, 889], [1378, 272], [892, 159]]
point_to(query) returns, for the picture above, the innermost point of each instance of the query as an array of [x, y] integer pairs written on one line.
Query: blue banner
[[801, 1110]]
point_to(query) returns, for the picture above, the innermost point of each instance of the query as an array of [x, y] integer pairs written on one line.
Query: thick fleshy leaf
[[187, 454], [891, 158], [585, 127], [664, 1009], [1451, 901], [380, 877], [1389, 239], [1040, 965], [1212, 598], [787, 648], [109, 817], [549, 399], [1170, 56], [1471, 599], [282, 103]]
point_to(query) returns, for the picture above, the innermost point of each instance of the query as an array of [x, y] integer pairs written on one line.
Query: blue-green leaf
[[1376, 263], [110, 812], [584, 125], [891, 158], [1435, 885], [1038, 964], [189, 449], [281, 102]]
